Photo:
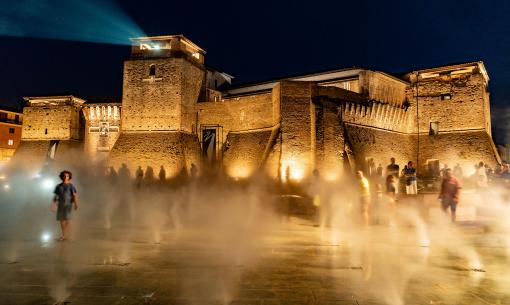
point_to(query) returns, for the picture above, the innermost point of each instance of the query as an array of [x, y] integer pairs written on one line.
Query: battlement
[[378, 115]]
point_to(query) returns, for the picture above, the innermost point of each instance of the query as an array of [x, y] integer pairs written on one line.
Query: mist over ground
[[215, 240]]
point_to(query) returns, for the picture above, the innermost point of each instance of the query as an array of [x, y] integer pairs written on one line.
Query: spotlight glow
[[47, 184], [45, 237]]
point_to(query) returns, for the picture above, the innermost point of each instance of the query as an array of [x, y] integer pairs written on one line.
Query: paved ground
[[291, 263]]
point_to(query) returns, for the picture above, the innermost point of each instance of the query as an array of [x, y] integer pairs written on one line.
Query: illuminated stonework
[[102, 126], [176, 111]]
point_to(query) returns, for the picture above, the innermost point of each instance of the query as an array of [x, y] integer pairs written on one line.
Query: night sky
[[251, 40]]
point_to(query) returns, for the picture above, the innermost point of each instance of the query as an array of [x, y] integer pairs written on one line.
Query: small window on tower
[[46, 131], [11, 130], [152, 70], [446, 96], [10, 142]]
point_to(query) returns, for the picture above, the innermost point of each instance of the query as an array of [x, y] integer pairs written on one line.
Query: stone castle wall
[[161, 102], [245, 152], [241, 113], [32, 155], [466, 148], [191, 78], [289, 130], [379, 145], [330, 144], [382, 88], [466, 110], [51, 122], [172, 150], [297, 113], [451, 148]]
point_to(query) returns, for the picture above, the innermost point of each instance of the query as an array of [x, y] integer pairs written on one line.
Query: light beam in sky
[[98, 21]]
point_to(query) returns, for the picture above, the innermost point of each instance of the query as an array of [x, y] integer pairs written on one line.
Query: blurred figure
[[443, 170], [498, 171], [149, 175], [64, 199], [505, 173], [457, 171], [364, 191], [391, 193], [393, 169], [481, 176], [315, 190], [410, 175], [139, 177], [112, 175], [162, 174], [193, 171], [379, 170], [391, 187], [449, 194]]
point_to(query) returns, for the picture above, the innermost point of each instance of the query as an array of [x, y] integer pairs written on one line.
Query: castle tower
[[161, 86], [162, 81], [52, 118], [52, 130]]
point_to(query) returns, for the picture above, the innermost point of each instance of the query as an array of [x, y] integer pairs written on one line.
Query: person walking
[[364, 192], [393, 168], [410, 175], [65, 198], [449, 194]]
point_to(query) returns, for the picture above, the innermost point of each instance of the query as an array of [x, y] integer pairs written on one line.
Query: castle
[[176, 111]]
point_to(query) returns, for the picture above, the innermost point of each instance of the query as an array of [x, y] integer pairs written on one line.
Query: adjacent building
[[10, 133]]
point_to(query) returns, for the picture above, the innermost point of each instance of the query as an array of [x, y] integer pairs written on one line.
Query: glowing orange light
[[293, 169], [239, 170]]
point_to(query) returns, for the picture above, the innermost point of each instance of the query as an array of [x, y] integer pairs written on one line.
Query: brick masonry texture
[[465, 148], [297, 127], [245, 152], [52, 123], [164, 102], [466, 110], [238, 114], [172, 150]]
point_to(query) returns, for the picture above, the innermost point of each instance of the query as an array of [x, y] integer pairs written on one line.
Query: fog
[[220, 230]]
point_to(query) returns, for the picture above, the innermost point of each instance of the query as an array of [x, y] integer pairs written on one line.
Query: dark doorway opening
[[209, 139]]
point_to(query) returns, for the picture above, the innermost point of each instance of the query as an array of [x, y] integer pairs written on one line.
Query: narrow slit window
[[152, 70], [46, 131], [446, 96]]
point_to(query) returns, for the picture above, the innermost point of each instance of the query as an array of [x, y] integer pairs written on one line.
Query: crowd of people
[[394, 182], [390, 183]]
